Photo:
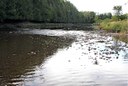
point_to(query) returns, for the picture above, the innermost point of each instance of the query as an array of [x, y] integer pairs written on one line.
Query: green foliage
[[115, 23], [104, 16], [101, 17], [115, 26], [121, 17], [43, 11], [117, 10], [124, 17], [87, 16], [2, 10], [114, 18]]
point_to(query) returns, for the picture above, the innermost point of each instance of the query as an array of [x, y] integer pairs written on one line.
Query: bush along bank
[[114, 26]]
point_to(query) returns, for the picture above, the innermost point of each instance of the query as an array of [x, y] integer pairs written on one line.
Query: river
[[62, 58]]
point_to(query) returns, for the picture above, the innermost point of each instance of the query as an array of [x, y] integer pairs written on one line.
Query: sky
[[100, 6]]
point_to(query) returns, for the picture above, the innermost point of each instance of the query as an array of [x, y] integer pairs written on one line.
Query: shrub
[[115, 26]]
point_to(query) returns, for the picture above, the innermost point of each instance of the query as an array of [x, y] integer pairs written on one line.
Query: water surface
[[62, 58]]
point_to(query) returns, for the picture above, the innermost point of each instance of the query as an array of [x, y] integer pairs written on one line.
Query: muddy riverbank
[[64, 26]]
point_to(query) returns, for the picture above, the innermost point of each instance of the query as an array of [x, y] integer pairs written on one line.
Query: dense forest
[[53, 11]]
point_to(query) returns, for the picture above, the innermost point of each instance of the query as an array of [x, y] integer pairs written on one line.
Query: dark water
[[62, 58]]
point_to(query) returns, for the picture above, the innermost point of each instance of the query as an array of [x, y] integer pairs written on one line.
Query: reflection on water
[[75, 58], [20, 54]]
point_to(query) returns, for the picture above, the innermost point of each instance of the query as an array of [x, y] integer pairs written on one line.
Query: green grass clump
[[114, 26]]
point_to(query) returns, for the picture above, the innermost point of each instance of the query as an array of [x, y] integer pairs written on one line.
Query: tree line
[[118, 15], [55, 11], [117, 22]]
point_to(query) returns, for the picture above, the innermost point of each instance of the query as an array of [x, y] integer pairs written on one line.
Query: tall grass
[[114, 26]]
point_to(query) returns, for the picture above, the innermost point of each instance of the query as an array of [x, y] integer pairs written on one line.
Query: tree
[[56, 11], [104, 16], [87, 17], [117, 10], [2, 10]]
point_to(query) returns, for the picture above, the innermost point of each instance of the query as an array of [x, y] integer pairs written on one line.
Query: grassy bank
[[114, 26], [122, 37]]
